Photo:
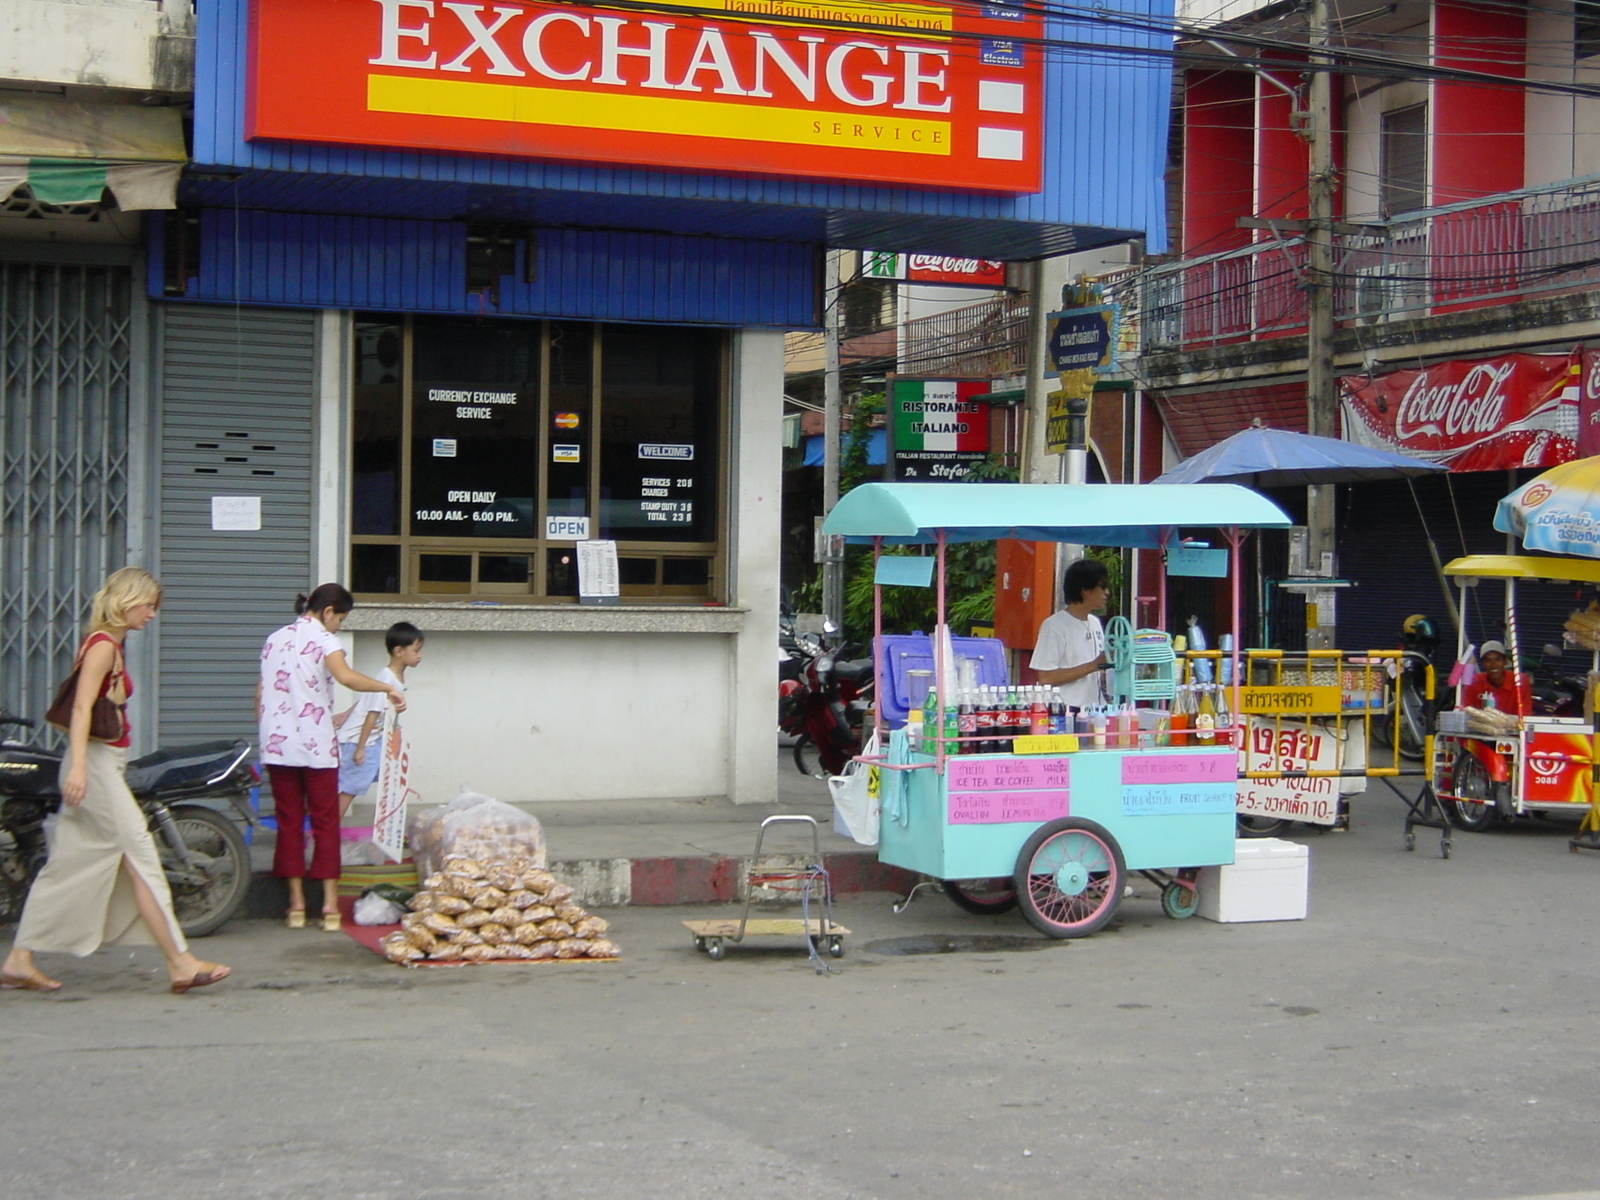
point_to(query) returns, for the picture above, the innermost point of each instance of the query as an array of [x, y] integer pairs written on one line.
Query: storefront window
[[482, 450]]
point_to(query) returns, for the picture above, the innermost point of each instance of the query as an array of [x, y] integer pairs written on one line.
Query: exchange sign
[[904, 91]]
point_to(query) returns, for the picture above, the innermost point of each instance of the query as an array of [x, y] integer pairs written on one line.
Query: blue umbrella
[[1261, 457]]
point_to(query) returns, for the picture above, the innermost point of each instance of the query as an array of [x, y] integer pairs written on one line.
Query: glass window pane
[[444, 573], [571, 442], [561, 572], [503, 568], [376, 426], [661, 391], [475, 427], [685, 572], [636, 572], [374, 568]]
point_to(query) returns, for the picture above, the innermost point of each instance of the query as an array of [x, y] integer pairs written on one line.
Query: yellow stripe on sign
[[1267, 701], [653, 114]]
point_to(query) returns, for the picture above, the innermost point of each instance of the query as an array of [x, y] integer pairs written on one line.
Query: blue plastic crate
[[903, 652]]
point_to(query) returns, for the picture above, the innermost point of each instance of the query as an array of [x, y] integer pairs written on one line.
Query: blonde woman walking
[[103, 883]]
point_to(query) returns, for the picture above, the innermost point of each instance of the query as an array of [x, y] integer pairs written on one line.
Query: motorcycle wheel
[[806, 758], [1413, 721], [16, 877], [1473, 806], [222, 862]]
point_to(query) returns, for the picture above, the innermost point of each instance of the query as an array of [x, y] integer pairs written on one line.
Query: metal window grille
[[64, 364]]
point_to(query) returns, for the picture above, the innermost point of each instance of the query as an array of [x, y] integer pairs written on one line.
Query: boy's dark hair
[[401, 634], [1082, 576]]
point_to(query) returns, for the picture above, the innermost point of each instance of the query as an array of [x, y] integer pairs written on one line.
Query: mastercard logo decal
[[566, 420]]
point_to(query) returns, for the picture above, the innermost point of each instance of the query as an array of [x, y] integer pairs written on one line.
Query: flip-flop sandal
[[200, 979], [34, 981]]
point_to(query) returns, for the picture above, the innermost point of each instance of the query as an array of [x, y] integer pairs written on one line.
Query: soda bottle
[[1225, 734], [1205, 721], [930, 721], [967, 724], [1038, 712], [1060, 718], [952, 729]]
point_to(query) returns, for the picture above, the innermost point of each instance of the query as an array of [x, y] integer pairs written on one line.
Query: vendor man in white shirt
[[1071, 647]]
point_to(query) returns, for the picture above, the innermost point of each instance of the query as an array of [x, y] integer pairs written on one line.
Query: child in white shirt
[[360, 753]]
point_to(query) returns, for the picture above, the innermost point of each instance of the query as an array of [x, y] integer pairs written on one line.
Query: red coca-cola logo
[[1536, 493], [1469, 408]]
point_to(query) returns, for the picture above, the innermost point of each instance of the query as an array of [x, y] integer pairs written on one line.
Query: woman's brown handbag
[[105, 718]]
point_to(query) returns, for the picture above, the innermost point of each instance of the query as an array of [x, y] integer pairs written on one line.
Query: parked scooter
[[825, 707], [1408, 691], [203, 854], [1555, 695]]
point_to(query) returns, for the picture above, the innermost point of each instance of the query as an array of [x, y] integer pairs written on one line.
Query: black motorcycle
[[203, 854]]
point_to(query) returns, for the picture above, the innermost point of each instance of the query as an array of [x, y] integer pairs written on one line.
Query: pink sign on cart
[[1006, 774], [995, 808], [1179, 768]]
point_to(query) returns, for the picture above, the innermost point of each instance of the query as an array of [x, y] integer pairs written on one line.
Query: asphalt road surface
[[1425, 1033]]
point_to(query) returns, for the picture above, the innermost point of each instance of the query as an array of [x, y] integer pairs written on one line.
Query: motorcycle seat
[[857, 671], [178, 766]]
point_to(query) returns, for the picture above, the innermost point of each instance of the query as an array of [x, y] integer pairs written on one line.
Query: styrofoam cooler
[[1268, 881]]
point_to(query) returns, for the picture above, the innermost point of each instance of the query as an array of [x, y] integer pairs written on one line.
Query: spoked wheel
[[806, 759], [1253, 826], [1472, 807], [1069, 878], [985, 897], [212, 889]]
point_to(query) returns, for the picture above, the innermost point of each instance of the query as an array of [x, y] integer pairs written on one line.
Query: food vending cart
[[1490, 767], [1060, 818]]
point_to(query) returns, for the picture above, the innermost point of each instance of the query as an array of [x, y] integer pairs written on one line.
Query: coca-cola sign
[[1519, 410]]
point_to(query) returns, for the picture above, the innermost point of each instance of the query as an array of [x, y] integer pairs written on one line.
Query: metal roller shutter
[[237, 394], [65, 360]]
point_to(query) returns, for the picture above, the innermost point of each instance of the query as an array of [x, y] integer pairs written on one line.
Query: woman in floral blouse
[[299, 745]]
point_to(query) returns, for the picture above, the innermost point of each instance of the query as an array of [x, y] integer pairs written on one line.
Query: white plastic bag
[[373, 909], [856, 799]]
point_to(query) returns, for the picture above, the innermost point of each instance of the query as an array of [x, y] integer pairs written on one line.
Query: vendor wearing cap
[[1498, 686]]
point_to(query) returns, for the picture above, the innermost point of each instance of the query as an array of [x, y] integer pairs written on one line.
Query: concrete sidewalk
[[675, 851]]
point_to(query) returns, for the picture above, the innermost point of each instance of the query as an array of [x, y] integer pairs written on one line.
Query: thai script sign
[[394, 788], [1520, 410], [1311, 699], [1291, 746], [898, 92], [992, 791]]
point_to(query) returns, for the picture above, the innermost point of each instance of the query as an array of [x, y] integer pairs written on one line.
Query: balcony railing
[[1508, 246], [988, 340]]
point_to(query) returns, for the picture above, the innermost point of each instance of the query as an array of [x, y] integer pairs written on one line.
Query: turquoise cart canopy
[[1145, 516]]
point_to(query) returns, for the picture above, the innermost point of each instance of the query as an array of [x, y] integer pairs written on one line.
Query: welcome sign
[[903, 92]]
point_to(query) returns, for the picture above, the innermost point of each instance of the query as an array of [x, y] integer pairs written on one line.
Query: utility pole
[[1321, 384], [832, 407]]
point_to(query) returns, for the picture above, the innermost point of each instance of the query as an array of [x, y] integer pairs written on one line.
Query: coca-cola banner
[[1491, 414], [1589, 404]]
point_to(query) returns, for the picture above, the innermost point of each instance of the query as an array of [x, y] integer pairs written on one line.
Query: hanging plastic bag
[[375, 909], [1465, 669], [856, 798]]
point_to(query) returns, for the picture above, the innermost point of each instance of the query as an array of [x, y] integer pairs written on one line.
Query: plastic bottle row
[[986, 720]]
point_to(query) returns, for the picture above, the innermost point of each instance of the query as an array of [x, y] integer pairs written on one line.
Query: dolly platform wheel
[[715, 948], [1178, 901], [1069, 878]]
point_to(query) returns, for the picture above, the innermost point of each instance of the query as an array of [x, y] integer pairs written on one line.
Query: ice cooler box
[[1268, 881], [900, 653]]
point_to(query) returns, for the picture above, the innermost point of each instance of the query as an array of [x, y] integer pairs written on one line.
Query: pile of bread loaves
[[491, 911]]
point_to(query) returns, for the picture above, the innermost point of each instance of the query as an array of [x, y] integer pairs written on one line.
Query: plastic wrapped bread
[[480, 829]]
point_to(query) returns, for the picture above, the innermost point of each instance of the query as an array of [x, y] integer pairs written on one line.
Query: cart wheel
[[1178, 901], [699, 943], [715, 949], [1411, 840], [1069, 877], [836, 947], [1472, 807], [985, 897], [1252, 826]]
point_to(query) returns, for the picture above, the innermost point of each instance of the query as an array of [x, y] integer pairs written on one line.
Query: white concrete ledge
[[552, 618]]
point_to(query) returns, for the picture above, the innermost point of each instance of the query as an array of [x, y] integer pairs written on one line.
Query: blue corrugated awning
[[1091, 514], [877, 449]]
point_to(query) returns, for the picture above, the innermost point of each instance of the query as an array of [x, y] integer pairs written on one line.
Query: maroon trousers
[[299, 792]]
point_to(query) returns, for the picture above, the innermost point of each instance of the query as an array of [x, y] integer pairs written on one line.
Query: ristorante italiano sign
[[902, 92]]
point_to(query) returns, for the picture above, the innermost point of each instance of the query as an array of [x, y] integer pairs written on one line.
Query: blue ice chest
[[901, 653]]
